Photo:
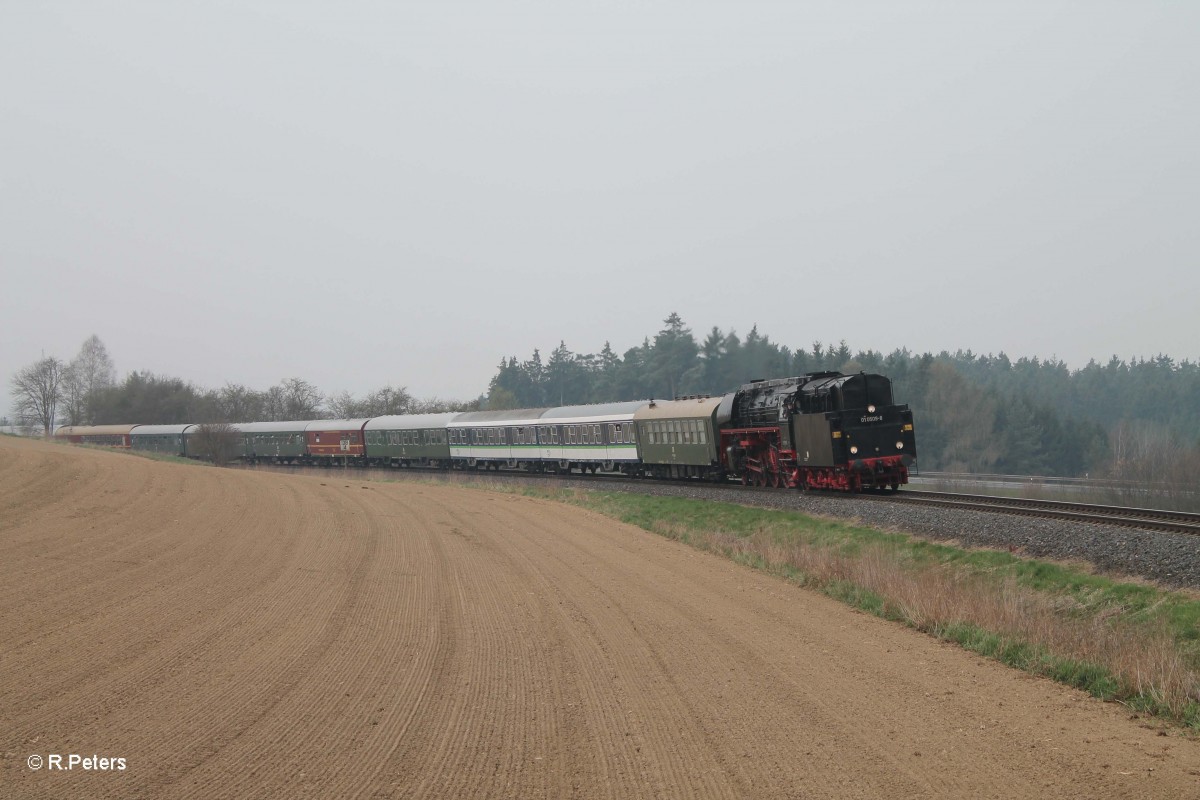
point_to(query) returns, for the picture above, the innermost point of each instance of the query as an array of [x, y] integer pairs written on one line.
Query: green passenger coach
[[679, 438], [403, 440], [169, 439], [281, 442]]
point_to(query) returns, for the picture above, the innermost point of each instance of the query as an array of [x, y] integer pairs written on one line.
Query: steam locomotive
[[823, 430]]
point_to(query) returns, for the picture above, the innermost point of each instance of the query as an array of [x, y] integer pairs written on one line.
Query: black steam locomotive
[[824, 430]]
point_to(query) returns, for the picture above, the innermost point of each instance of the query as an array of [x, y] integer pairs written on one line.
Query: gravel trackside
[[251, 634]]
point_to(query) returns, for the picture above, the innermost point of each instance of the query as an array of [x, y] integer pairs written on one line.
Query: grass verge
[[1122, 641]]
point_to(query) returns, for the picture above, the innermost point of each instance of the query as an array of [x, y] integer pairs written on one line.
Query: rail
[[1143, 518]]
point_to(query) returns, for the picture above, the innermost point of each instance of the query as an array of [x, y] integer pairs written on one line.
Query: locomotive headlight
[[870, 409], [853, 449], [899, 445]]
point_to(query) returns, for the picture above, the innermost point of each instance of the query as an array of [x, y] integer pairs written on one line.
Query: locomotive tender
[[821, 430]]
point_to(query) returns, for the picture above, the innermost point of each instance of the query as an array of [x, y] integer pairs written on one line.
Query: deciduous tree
[[37, 391]]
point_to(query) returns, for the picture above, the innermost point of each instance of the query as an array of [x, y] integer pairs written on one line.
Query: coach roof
[[159, 430], [597, 412], [94, 430], [281, 426], [322, 425], [410, 422], [512, 416], [678, 409]]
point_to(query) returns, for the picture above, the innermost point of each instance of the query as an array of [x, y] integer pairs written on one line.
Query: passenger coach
[[494, 439], [279, 442], [403, 440], [171, 439], [106, 435], [589, 438], [336, 440], [679, 438]]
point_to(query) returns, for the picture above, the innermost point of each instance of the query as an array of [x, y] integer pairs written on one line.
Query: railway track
[[1140, 518], [1143, 518]]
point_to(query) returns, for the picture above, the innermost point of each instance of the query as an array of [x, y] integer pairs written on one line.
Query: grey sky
[[361, 194]]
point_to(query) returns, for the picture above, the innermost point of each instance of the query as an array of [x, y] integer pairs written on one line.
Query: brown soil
[[236, 634]]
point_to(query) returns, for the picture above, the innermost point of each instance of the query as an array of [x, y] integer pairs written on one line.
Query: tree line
[[1135, 419], [973, 413], [85, 391]]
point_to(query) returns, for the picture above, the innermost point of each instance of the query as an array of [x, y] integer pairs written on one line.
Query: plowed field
[[234, 634]]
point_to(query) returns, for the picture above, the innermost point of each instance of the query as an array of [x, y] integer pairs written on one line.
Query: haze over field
[[367, 193]]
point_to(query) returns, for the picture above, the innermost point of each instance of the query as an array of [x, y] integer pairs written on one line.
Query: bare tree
[[89, 372], [437, 405], [240, 404], [301, 400], [1151, 466], [381, 402], [343, 405], [36, 391], [74, 396], [965, 418], [216, 442], [274, 404], [388, 400]]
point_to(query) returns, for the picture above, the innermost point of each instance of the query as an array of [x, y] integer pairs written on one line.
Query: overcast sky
[[360, 193]]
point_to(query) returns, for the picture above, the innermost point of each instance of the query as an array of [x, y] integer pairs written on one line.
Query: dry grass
[[1047, 633]]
